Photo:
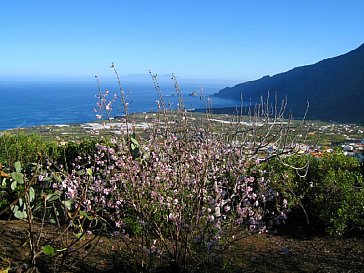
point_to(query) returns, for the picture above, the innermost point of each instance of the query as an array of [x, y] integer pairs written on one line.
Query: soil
[[291, 249]]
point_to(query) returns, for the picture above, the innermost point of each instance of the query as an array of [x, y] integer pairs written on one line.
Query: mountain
[[334, 88]]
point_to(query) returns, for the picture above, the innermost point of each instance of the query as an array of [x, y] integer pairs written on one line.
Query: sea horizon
[[35, 103]]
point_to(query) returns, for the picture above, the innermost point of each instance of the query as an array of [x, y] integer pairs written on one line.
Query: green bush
[[337, 194], [71, 151], [25, 149], [34, 152], [331, 192], [29, 149]]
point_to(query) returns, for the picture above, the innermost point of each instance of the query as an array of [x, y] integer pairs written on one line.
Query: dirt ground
[[287, 250]]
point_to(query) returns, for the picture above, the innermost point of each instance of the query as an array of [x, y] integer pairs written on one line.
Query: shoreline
[[219, 110]]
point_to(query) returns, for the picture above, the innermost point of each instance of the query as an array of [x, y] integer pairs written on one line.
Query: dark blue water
[[25, 104]]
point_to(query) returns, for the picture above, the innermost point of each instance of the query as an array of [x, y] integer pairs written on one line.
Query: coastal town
[[314, 137]]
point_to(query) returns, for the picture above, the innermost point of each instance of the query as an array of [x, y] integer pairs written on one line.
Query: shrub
[[186, 199], [330, 190], [26, 149], [180, 196], [187, 190], [337, 194], [37, 156]]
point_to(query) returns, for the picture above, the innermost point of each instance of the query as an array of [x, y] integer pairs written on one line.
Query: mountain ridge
[[334, 88]]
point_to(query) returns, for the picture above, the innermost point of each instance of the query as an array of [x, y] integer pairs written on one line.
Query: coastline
[[220, 110]]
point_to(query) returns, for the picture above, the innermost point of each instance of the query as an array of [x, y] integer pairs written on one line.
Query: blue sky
[[215, 39]]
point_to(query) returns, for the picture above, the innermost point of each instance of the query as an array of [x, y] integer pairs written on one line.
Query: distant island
[[334, 88]]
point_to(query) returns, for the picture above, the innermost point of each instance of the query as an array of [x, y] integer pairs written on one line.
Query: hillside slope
[[334, 88]]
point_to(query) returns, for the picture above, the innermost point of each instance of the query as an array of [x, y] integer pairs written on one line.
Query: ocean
[[33, 103]]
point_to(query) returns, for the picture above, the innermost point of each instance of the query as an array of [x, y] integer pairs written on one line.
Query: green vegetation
[[326, 192], [174, 189], [25, 148]]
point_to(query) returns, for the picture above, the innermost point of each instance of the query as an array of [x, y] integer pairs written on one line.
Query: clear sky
[[213, 39]]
